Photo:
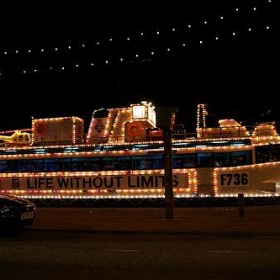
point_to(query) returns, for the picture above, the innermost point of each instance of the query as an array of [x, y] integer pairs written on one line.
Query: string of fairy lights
[[234, 26]]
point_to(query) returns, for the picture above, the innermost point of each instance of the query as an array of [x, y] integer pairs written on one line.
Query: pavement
[[248, 220]]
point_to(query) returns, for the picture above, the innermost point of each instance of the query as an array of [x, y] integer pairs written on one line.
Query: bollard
[[241, 204]]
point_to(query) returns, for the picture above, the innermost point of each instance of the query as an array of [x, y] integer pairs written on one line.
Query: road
[[44, 254]]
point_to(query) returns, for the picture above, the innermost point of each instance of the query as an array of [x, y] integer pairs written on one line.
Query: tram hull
[[250, 180]]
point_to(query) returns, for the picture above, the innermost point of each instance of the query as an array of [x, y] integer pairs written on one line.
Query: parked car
[[16, 212]]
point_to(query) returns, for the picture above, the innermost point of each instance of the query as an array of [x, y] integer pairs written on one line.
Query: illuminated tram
[[122, 157]]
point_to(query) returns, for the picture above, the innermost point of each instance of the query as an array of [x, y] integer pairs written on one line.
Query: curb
[[155, 232]]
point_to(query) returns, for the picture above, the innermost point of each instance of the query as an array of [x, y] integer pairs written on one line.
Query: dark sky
[[236, 75]]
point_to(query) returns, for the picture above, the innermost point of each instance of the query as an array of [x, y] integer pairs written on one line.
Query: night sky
[[70, 60]]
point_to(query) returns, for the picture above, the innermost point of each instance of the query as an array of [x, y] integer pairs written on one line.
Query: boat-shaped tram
[[122, 156]]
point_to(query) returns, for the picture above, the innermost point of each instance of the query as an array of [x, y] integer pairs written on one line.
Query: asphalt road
[[45, 254]]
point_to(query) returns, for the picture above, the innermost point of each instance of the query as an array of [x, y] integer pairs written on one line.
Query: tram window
[[29, 165], [108, 148], [147, 162], [221, 159], [80, 164], [116, 163], [184, 161], [50, 165], [205, 160], [12, 165], [63, 164], [93, 164], [39, 163], [123, 163], [108, 163], [267, 153], [3, 166], [67, 164], [242, 158]]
